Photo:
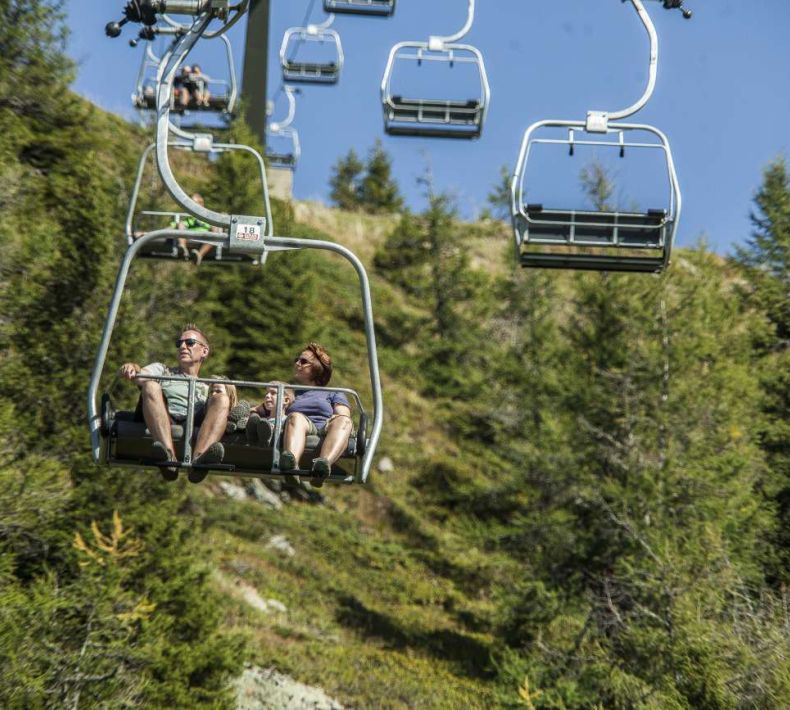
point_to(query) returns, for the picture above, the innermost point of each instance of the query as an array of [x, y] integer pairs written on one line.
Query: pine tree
[[378, 192], [345, 181], [499, 198], [765, 263]]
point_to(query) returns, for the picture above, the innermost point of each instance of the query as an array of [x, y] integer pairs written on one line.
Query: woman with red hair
[[315, 412]]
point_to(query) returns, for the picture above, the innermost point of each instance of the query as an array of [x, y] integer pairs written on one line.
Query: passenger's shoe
[[238, 417], [252, 428], [197, 257], [160, 453], [265, 432], [213, 454], [287, 461], [183, 252], [321, 470]]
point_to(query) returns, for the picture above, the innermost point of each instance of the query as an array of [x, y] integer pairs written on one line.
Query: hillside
[[579, 500]]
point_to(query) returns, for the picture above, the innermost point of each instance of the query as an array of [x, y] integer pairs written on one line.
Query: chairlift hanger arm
[[438, 42], [288, 120], [179, 52], [597, 120]]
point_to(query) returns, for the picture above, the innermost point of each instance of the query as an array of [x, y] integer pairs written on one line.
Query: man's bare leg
[[214, 423], [156, 416]]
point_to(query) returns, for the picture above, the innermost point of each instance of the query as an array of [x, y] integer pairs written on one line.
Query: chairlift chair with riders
[[297, 59], [118, 439], [633, 240], [380, 8], [282, 139], [435, 116], [222, 93]]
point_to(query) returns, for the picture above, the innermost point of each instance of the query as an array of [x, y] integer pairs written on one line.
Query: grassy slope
[[380, 609]]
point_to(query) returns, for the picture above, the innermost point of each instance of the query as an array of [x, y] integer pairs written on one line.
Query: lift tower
[[253, 88]]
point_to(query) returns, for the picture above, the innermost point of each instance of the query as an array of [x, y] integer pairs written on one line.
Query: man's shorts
[[200, 412]]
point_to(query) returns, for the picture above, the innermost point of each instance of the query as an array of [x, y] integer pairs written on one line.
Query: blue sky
[[722, 95]]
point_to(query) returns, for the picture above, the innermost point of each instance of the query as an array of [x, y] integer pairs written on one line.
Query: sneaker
[[321, 469], [238, 417], [196, 256], [265, 433], [287, 461], [161, 454], [252, 428], [213, 454], [183, 252]]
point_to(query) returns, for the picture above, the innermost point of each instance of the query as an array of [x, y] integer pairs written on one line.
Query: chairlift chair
[[168, 248], [223, 93], [380, 8], [553, 236], [297, 66], [431, 116]]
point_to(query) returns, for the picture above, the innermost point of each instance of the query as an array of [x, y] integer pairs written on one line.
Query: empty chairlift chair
[[282, 139], [600, 238], [312, 54], [437, 113], [381, 8]]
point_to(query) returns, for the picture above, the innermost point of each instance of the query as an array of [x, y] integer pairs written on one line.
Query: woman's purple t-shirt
[[317, 405]]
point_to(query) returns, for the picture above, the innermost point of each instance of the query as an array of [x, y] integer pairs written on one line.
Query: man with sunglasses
[[164, 402]]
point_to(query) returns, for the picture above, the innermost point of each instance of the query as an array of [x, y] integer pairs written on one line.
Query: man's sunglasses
[[303, 361], [191, 342]]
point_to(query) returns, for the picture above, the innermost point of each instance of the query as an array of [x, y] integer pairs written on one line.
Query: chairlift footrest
[[214, 466]]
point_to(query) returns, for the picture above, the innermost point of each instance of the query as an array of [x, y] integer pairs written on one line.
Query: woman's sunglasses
[[191, 342]]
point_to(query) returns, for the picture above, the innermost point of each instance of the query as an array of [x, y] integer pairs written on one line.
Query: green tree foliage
[[378, 191], [369, 187], [346, 176], [121, 629], [498, 200], [426, 256], [765, 264]]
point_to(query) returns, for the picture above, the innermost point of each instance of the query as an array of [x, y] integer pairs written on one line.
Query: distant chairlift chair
[[430, 116], [599, 240], [297, 66], [223, 93], [381, 8]]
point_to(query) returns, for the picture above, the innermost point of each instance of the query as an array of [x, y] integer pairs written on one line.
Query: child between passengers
[[260, 425]]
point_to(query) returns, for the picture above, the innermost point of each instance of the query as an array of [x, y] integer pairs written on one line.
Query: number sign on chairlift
[[312, 54], [434, 110], [603, 237]]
